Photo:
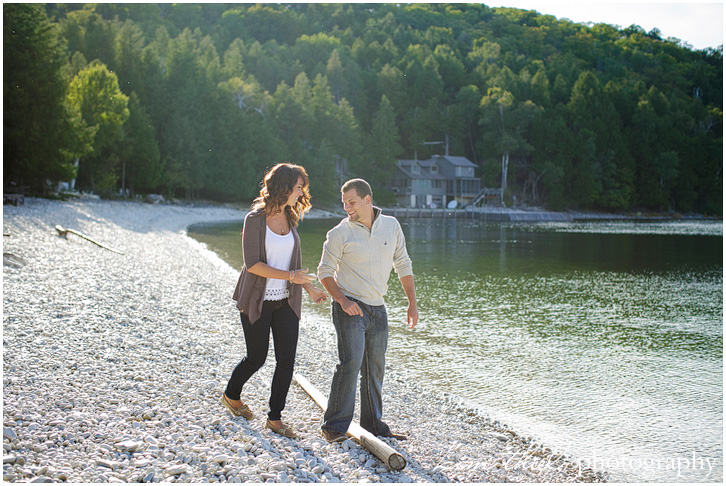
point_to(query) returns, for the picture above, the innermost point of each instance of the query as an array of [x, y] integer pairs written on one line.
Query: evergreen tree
[[593, 114], [141, 169], [42, 134], [505, 122], [381, 147]]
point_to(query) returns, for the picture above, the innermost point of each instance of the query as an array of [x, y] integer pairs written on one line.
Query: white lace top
[[279, 255]]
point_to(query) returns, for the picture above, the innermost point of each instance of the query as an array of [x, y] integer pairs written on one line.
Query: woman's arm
[[295, 276]]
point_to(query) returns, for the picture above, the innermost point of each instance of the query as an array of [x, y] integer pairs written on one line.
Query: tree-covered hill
[[196, 100]]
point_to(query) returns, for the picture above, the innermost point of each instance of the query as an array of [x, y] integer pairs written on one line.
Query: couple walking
[[358, 256]]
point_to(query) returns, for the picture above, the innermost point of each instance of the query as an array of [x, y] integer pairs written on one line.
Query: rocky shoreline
[[113, 366]]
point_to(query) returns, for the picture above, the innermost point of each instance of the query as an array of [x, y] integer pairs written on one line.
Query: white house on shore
[[435, 182]]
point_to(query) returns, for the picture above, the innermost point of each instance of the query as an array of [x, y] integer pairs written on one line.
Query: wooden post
[[64, 233], [383, 451]]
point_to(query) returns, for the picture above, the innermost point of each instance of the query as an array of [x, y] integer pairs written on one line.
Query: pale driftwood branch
[[383, 451], [64, 233]]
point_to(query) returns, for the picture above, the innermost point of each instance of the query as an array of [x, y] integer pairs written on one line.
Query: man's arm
[[329, 262], [410, 290], [402, 265]]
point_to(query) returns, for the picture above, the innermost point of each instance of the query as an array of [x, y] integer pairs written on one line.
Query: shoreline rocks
[[113, 366]]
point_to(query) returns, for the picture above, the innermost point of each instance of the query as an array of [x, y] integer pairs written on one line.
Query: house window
[[434, 169], [415, 169], [422, 184]]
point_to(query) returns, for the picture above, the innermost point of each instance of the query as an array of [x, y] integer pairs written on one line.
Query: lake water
[[603, 340]]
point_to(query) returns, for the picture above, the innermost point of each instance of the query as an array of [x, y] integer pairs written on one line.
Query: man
[[357, 259]]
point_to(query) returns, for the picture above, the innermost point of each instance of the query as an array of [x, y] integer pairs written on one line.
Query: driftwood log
[[64, 233], [383, 451]]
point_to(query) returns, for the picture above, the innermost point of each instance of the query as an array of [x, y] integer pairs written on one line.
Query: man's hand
[[348, 306], [351, 308], [316, 294], [412, 316]]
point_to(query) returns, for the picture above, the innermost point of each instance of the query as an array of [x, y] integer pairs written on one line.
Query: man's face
[[355, 205]]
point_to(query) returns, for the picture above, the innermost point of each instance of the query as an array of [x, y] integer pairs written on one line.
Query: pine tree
[[41, 134]]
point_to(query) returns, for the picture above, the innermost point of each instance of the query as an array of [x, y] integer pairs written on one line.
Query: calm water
[[604, 340]]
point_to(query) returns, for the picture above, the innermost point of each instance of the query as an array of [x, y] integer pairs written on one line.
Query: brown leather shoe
[[241, 411], [333, 436], [285, 430]]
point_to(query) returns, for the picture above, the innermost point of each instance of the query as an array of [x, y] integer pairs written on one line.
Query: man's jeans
[[362, 343]]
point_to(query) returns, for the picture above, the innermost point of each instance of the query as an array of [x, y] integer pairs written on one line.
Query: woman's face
[[297, 191]]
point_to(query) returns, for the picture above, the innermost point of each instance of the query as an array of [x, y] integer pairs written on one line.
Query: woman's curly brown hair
[[277, 186]]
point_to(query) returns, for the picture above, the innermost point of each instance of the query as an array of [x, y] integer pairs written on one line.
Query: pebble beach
[[114, 363]]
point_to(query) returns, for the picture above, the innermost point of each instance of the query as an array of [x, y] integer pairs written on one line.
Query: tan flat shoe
[[285, 430], [241, 411]]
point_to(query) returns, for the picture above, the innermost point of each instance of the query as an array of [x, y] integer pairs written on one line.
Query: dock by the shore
[[479, 214]]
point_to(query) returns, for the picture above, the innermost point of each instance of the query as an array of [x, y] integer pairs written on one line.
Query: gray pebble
[[9, 433]]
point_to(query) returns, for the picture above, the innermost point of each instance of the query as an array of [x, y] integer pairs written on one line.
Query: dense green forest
[[196, 100]]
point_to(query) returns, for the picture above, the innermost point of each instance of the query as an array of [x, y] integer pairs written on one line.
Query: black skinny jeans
[[284, 323]]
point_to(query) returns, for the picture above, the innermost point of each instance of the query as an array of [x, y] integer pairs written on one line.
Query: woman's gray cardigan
[[250, 290]]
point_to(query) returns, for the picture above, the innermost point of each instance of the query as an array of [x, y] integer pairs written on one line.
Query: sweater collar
[[376, 213]]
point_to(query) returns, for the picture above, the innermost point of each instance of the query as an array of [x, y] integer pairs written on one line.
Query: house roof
[[457, 161], [422, 163], [411, 175], [404, 165]]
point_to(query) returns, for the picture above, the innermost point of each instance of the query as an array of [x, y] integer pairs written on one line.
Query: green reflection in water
[[602, 339]]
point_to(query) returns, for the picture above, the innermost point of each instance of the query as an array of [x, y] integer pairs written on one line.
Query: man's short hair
[[362, 188]]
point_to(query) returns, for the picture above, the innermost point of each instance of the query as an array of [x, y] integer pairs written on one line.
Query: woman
[[269, 289]]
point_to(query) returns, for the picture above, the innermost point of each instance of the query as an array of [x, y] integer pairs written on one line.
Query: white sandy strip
[[113, 366]]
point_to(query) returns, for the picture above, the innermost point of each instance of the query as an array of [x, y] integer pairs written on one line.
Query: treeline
[[196, 100]]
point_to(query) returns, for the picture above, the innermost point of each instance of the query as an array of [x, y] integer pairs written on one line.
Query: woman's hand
[[301, 277], [316, 294]]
